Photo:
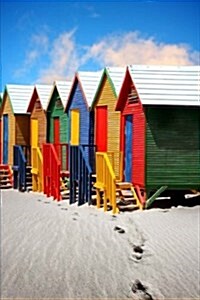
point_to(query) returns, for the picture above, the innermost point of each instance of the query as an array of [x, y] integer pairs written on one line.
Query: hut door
[[128, 148], [56, 123], [34, 133], [101, 128], [56, 131], [5, 139], [75, 127]]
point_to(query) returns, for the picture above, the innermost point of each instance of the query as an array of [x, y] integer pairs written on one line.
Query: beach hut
[[57, 119], [15, 124], [38, 131], [15, 120], [107, 120], [81, 135], [160, 133], [55, 151], [109, 184], [37, 108]]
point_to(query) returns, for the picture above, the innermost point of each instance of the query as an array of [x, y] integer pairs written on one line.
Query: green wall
[[172, 147], [55, 110]]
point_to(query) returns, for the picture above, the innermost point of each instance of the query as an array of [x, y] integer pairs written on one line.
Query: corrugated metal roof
[[117, 75], [63, 88], [19, 96], [44, 92], [167, 85], [89, 82]]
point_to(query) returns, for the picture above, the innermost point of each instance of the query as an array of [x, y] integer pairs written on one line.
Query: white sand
[[54, 250]]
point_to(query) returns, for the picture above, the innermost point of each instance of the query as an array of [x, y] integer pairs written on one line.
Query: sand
[[55, 250]]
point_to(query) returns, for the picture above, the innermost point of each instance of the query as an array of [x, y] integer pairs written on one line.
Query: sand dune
[[56, 250]]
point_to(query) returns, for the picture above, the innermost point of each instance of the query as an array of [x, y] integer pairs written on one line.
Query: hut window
[[38, 104], [58, 102], [133, 96]]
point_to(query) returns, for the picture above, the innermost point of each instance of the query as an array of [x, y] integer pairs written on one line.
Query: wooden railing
[[105, 181], [51, 171], [37, 169], [116, 160], [62, 154], [81, 168], [19, 168]]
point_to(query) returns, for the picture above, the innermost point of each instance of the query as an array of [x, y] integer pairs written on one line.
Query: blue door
[[128, 148], [5, 139]]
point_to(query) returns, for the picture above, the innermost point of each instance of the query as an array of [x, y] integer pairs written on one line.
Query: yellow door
[[75, 127], [34, 133]]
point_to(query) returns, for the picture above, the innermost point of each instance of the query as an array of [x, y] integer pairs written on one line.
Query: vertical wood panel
[[101, 128], [22, 129], [7, 109], [75, 127], [34, 133]]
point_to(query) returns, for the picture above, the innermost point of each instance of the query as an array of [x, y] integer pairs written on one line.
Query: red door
[[57, 135], [101, 128]]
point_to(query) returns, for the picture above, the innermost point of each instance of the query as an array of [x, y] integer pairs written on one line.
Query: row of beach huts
[[118, 138]]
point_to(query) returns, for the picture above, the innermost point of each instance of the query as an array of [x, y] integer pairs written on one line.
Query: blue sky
[[43, 41]]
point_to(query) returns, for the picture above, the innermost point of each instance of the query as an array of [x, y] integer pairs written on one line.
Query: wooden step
[[124, 185], [130, 207], [124, 202], [126, 193]]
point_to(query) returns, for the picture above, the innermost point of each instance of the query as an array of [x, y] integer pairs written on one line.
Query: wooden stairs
[[6, 178], [126, 198]]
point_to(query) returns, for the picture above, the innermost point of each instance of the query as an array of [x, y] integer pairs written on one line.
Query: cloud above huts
[[64, 55]]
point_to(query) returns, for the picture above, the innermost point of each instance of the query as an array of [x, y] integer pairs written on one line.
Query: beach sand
[[55, 250]]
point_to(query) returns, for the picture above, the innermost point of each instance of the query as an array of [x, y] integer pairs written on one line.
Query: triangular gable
[[88, 82], [115, 76], [19, 96], [41, 94], [62, 88], [128, 94]]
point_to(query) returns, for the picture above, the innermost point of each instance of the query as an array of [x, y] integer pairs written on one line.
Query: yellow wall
[[75, 127], [40, 115], [7, 109], [106, 97]]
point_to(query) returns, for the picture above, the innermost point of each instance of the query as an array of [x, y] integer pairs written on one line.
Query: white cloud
[[130, 48], [61, 57]]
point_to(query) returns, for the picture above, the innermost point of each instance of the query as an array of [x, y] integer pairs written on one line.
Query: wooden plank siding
[[22, 129], [78, 102], [57, 110], [106, 97], [40, 115], [7, 110], [172, 147]]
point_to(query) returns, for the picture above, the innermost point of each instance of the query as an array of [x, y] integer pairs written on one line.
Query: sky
[[44, 41]]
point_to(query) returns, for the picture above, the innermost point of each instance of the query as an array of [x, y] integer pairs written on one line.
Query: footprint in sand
[[46, 202], [64, 208], [137, 253], [141, 290], [74, 219], [119, 229], [39, 200], [75, 214]]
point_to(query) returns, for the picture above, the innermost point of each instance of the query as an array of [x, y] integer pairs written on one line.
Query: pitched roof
[[63, 88], [19, 96], [43, 91], [115, 76], [167, 85], [89, 82]]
